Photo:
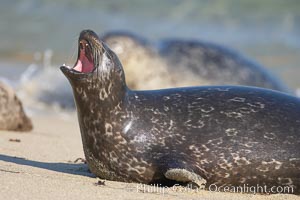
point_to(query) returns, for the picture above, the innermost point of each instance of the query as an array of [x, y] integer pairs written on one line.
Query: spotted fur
[[228, 135]]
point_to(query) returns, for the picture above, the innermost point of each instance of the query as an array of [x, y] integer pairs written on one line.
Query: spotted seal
[[12, 115], [222, 135], [179, 62]]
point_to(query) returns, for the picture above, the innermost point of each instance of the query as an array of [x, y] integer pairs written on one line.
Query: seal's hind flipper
[[183, 175]]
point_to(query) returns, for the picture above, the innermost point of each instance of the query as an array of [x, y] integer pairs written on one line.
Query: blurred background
[[267, 31]]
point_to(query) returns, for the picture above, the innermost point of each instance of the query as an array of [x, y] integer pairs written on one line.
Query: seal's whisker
[[95, 55], [97, 64], [74, 50]]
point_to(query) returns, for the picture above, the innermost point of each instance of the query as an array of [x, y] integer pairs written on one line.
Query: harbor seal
[[221, 135], [178, 62], [216, 62], [12, 115]]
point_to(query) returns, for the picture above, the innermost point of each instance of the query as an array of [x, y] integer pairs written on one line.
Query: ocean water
[[37, 36]]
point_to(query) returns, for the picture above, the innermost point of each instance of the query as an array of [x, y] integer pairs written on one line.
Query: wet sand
[[40, 165]]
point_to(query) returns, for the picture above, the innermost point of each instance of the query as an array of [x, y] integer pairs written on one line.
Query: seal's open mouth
[[85, 61], [90, 49]]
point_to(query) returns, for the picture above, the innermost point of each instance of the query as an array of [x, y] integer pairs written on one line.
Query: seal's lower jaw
[[74, 75], [67, 70]]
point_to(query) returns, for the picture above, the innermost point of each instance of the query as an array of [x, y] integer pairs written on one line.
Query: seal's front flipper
[[183, 175]]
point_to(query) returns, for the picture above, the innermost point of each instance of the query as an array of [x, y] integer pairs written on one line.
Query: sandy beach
[[39, 36], [40, 165]]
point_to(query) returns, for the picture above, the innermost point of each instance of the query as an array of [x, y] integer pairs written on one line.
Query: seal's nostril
[[81, 46]]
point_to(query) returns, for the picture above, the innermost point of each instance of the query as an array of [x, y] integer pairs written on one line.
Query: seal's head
[[97, 70]]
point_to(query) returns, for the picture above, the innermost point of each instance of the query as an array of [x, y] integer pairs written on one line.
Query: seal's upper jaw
[[88, 47], [85, 61]]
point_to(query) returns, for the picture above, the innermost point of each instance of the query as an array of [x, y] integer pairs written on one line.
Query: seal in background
[[178, 62], [12, 115]]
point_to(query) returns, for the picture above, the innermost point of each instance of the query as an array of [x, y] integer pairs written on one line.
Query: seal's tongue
[[85, 62]]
